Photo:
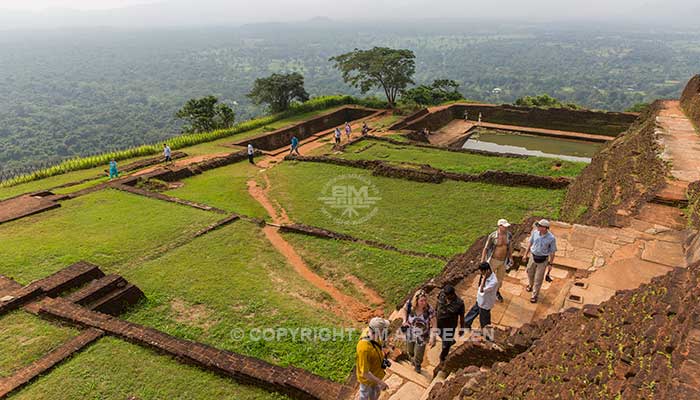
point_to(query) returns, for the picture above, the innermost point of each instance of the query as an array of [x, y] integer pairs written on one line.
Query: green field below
[[225, 188], [106, 228], [112, 369], [25, 338], [465, 163], [233, 279], [442, 219]]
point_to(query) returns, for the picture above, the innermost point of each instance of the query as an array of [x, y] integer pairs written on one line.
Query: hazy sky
[[31, 13]]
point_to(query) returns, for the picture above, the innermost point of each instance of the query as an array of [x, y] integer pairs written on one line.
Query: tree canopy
[[205, 115], [543, 101], [380, 67], [440, 91], [278, 91]]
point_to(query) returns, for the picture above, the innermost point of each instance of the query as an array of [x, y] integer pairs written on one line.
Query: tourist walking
[[113, 173], [348, 130], [251, 154], [540, 254], [485, 299], [479, 119], [337, 136], [370, 360], [466, 115], [498, 252], [365, 129], [295, 146], [419, 319], [450, 316], [167, 153]]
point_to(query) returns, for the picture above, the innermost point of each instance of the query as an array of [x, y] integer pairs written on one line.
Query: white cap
[[542, 222], [503, 222]]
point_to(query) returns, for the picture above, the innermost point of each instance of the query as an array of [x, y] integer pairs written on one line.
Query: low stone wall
[[282, 137], [583, 121], [294, 382], [427, 174]]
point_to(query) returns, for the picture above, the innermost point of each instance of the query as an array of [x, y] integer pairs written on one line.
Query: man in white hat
[[540, 254], [370, 360], [498, 252]]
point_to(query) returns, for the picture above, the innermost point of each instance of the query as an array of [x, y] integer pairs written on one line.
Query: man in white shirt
[[167, 153], [251, 153], [485, 298]]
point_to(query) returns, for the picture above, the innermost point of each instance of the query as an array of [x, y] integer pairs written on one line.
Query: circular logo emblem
[[349, 199]]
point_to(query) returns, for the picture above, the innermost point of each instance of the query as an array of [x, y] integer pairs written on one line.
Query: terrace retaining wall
[[584, 121], [282, 137], [427, 174]]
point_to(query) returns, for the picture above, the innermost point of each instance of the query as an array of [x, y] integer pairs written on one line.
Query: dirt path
[[350, 307]]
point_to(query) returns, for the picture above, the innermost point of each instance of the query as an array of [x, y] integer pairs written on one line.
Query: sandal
[[528, 288]]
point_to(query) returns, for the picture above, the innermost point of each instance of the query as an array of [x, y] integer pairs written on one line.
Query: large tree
[[205, 115], [440, 91], [279, 90], [379, 67]]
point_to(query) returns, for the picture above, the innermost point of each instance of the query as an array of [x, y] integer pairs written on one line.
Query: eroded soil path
[[349, 306]]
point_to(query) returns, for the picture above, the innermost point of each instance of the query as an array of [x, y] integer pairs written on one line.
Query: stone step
[[118, 300], [97, 289], [70, 277]]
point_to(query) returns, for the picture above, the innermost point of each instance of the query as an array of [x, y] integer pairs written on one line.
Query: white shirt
[[487, 299], [166, 151], [250, 150]]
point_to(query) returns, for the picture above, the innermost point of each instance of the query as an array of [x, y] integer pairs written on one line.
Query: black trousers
[[476, 311]]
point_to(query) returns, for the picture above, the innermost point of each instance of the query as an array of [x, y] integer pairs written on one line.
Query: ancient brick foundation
[[282, 137], [427, 174], [583, 121]]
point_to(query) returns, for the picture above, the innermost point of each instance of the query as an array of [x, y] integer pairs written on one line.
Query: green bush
[[178, 142]]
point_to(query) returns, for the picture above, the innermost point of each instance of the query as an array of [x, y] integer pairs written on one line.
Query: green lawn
[[25, 338], [233, 279], [106, 227], [459, 162], [441, 219], [112, 369], [389, 273], [225, 188]]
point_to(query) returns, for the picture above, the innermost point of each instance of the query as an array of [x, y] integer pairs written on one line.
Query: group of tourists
[[422, 323]]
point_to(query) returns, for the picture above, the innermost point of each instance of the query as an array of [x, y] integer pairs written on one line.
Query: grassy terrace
[[440, 219], [112, 369], [459, 162], [107, 228], [390, 274], [239, 282], [224, 188], [25, 338]]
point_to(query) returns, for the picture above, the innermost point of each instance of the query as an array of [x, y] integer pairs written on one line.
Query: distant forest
[[65, 93]]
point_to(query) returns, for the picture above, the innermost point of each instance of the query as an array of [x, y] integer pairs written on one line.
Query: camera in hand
[[386, 363]]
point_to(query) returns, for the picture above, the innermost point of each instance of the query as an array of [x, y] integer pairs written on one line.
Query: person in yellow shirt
[[370, 361]]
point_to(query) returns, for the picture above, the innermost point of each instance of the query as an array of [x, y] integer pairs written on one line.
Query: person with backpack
[[370, 360], [485, 298], [498, 252], [419, 319], [450, 315]]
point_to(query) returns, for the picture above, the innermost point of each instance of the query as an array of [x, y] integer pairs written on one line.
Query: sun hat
[[503, 222], [378, 323], [542, 222]]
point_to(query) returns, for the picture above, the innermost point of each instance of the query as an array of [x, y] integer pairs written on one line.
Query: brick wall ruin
[[583, 121], [282, 137]]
